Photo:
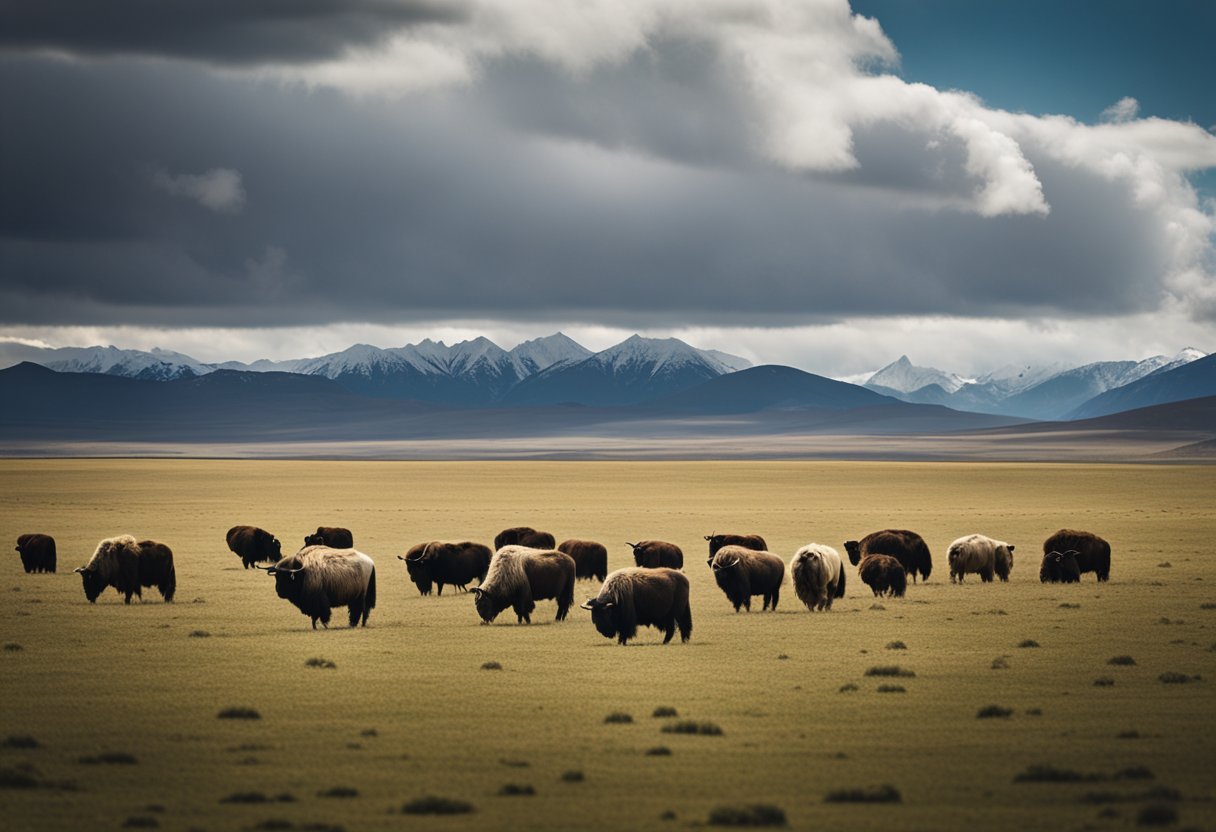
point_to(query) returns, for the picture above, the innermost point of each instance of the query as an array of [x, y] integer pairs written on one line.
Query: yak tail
[[369, 598], [168, 584], [840, 583]]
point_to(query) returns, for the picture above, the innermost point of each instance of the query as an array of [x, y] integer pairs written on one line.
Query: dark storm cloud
[[430, 207], [217, 31]]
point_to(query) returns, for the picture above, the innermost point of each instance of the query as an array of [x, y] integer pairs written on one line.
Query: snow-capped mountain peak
[[906, 377]]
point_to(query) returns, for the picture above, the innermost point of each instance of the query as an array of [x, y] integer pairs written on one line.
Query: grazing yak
[[748, 541], [446, 563], [742, 573], [653, 554], [635, 597], [1093, 553], [590, 558], [907, 547], [982, 555], [128, 565], [318, 578], [1060, 568], [334, 537], [884, 575], [37, 552], [523, 536], [254, 545], [818, 575], [519, 577]]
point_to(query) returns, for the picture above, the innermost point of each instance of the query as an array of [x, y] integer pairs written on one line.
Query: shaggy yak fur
[[334, 537], [37, 552], [1060, 568], [519, 577], [636, 597], [748, 541], [655, 553], [742, 573], [128, 565], [818, 575], [254, 545], [446, 563], [907, 547], [318, 578], [884, 575], [523, 536], [590, 558], [982, 555], [1093, 553]]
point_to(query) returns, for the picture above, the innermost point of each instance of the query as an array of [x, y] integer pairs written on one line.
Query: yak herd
[[525, 566]]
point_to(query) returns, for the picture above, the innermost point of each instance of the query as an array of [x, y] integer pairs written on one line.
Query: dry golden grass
[[408, 711]]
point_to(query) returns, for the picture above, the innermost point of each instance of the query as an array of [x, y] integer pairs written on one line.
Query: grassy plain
[[408, 710]]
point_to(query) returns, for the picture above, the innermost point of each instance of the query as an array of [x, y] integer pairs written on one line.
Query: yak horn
[[78, 569], [402, 557], [586, 605], [711, 536], [631, 545]]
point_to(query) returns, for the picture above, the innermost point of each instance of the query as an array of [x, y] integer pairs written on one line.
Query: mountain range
[[662, 375]]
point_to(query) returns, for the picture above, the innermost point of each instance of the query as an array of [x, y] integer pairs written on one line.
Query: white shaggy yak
[[818, 574], [982, 555], [518, 577]]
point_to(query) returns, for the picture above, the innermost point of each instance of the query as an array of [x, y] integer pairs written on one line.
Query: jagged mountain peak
[[905, 377]]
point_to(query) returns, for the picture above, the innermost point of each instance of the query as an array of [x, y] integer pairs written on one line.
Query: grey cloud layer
[[631, 193]]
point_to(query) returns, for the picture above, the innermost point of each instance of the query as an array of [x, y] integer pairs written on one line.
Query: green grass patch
[[891, 670], [757, 814], [871, 794], [432, 805], [705, 729]]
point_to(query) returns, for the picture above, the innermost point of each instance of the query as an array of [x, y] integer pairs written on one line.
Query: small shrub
[[1028, 642], [199, 634], [994, 712], [1157, 814], [896, 645], [658, 751], [1172, 678], [13, 647], [323, 664], [1127, 735], [892, 689], [668, 815], [758, 814], [1049, 774], [491, 666], [11, 778], [20, 741], [369, 732], [891, 670], [1135, 773], [1207, 606], [273, 825], [848, 687], [516, 790], [1000, 663], [1121, 661], [140, 822], [874, 794], [618, 718], [238, 713], [781, 657], [1165, 564], [707, 729], [573, 776], [245, 797], [1068, 606], [339, 791], [110, 758], [664, 711], [1104, 682]]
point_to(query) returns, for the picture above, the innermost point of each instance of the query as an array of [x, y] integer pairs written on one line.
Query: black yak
[[981, 555], [748, 541], [128, 565], [1092, 552], [333, 537], [742, 573], [1060, 568], [446, 563], [653, 554], [909, 548], [519, 577], [884, 575], [590, 558], [318, 578], [818, 575], [254, 545], [635, 597], [37, 552], [523, 536]]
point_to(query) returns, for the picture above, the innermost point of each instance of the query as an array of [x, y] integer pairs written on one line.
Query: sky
[[807, 183]]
